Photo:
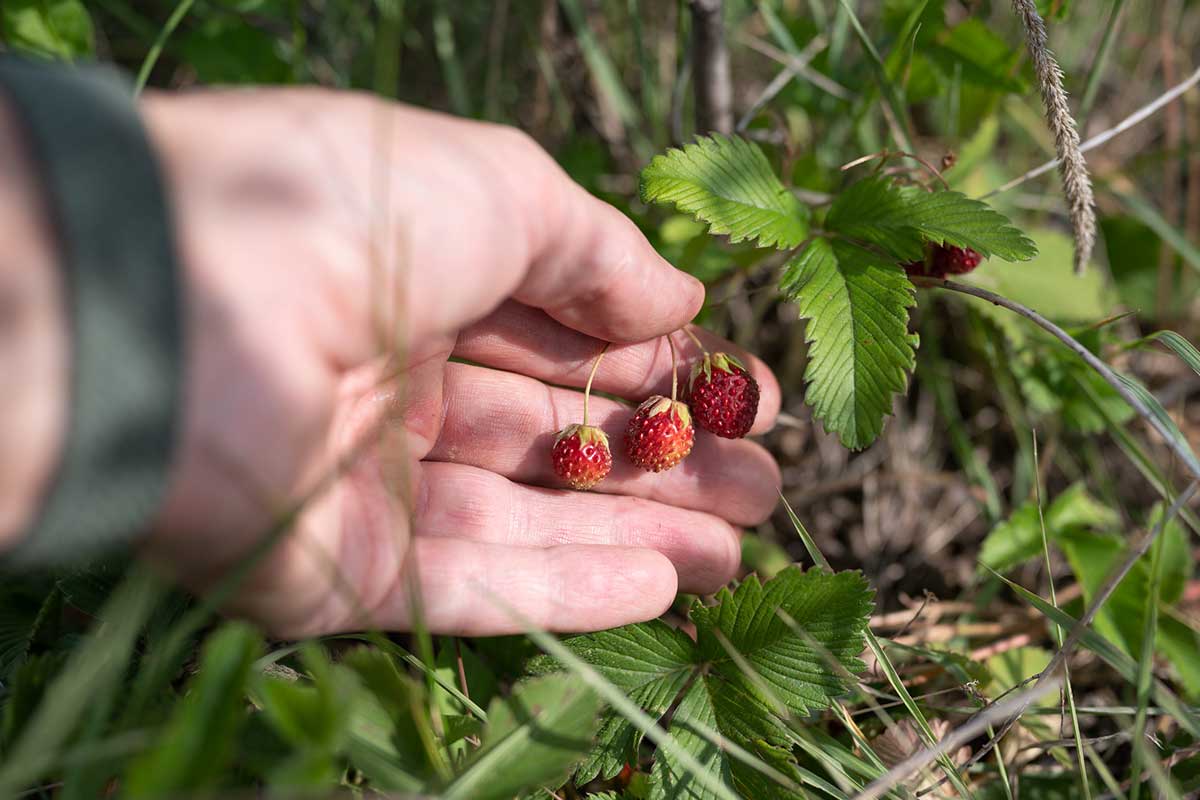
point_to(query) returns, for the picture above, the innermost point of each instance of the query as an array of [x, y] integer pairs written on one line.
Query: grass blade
[[889, 669], [898, 116]]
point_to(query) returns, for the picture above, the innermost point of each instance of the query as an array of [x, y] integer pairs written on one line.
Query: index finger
[[493, 216]]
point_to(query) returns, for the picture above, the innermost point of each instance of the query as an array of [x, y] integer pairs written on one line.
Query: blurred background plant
[[1006, 456]]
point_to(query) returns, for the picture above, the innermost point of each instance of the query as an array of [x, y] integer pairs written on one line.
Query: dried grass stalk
[[1077, 185]]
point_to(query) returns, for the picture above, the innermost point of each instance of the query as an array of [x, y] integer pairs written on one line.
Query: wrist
[[33, 340]]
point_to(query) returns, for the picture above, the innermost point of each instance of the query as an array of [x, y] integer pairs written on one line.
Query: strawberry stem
[[587, 390], [699, 344], [674, 370]]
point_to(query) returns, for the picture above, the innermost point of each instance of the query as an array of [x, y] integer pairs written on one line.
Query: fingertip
[[654, 577], [721, 564], [622, 585]]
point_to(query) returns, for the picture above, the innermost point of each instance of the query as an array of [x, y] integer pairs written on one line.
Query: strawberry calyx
[[653, 406], [722, 362], [588, 434]]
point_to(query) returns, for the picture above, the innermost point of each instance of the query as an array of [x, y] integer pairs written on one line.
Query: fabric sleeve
[[113, 230]]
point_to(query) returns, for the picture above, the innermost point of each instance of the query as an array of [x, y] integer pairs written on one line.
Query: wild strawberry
[[723, 396], [660, 435], [581, 456], [942, 260], [951, 260]]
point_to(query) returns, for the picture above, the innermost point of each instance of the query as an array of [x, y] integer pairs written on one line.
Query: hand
[[338, 251]]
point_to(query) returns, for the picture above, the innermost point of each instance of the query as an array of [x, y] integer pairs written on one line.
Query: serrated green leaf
[[651, 662], [532, 738], [707, 708], [789, 641], [860, 352], [787, 630], [901, 219], [197, 744], [728, 183]]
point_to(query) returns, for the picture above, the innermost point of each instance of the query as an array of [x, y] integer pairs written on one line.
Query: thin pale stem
[[884, 155], [674, 369], [1141, 115], [694, 338], [1180, 448], [587, 390]]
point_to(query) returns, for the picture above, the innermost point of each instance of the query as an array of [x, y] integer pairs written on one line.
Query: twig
[[886, 154], [954, 740], [1136, 118], [794, 67], [1077, 186], [818, 79], [1106, 372], [712, 83], [1081, 625]]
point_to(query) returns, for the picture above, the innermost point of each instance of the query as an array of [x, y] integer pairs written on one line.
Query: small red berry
[[951, 260], [942, 260], [723, 396], [660, 435], [581, 456]]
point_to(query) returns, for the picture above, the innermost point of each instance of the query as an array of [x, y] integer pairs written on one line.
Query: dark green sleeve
[[112, 224]]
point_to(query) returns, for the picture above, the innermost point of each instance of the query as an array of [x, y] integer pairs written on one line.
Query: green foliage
[[532, 738], [1019, 538], [49, 28], [861, 353], [195, 747], [764, 653], [901, 219], [1094, 556], [848, 286], [1084, 529], [729, 184], [1047, 283]]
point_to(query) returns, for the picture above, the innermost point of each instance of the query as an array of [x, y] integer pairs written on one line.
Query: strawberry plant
[[846, 275], [991, 595]]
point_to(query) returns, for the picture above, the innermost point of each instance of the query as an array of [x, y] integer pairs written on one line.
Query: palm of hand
[[427, 478]]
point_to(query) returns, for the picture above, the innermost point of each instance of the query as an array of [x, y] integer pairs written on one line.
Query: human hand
[[337, 251]]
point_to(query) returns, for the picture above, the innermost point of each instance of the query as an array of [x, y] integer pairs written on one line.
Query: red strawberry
[[723, 396], [951, 260], [660, 435], [581, 456], [942, 260]]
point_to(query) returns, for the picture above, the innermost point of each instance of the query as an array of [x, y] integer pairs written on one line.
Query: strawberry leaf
[[861, 352], [901, 219], [728, 183], [651, 662], [786, 646]]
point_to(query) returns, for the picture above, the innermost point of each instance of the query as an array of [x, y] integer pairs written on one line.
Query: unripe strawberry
[[660, 435], [723, 396], [581, 456]]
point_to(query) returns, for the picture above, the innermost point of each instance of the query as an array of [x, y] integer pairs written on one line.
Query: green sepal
[[588, 434], [721, 361], [657, 404]]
